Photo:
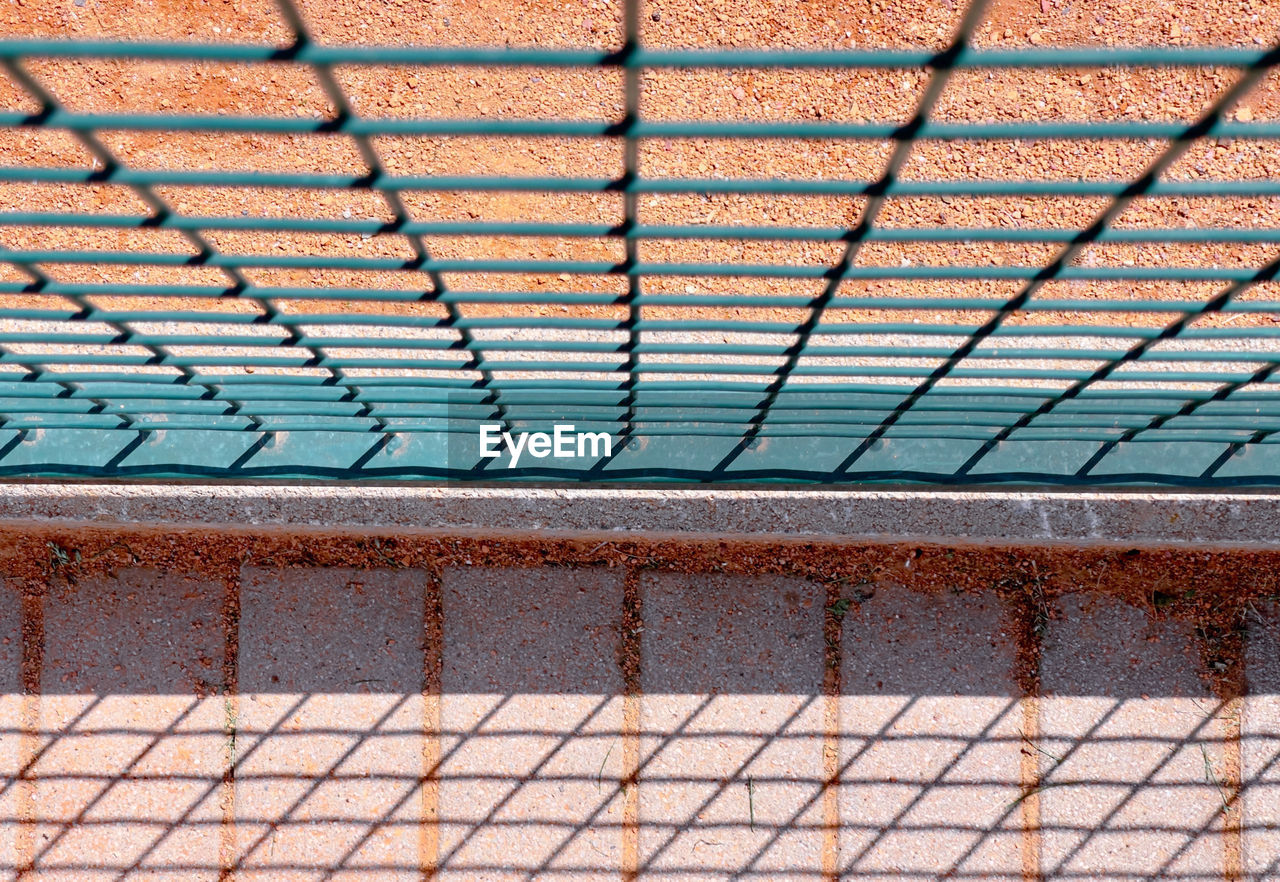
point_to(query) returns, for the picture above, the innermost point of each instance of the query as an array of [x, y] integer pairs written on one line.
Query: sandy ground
[[1171, 94]]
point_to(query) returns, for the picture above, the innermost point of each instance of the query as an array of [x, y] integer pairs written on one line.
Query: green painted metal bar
[[771, 187], [196, 319], [509, 128], [583, 267], [1254, 235], [753, 301], [1135, 56]]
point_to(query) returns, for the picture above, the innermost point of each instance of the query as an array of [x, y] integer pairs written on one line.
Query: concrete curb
[[1236, 519]]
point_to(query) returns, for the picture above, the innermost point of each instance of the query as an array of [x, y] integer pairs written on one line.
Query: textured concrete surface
[[930, 738], [130, 743], [1114, 516], [330, 741], [531, 725], [1260, 745], [376, 734], [732, 728], [1133, 772]]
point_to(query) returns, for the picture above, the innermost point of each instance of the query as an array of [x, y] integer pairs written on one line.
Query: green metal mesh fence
[[749, 385]]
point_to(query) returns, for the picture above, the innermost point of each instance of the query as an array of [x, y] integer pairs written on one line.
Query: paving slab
[[11, 740], [930, 738], [732, 728], [330, 743], [1131, 751], [1260, 745], [131, 738], [531, 725]]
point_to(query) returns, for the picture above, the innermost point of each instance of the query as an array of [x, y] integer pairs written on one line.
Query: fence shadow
[[548, 723]]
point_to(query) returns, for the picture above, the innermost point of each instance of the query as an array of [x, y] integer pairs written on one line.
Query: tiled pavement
[[488, 726]]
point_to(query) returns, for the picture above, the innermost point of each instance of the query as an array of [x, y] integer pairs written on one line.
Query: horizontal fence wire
[[155, 343]]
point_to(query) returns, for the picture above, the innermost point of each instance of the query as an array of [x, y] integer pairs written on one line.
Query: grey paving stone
[[11, 741], [732, 728], [10, 639], [930, 738], [133, 740], [1260, 745], [1131, 757], [330, 738], [531, 631], [903, 642], [331, 630], [531, 720]]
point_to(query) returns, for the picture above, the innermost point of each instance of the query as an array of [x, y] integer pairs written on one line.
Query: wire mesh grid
[[301, 359]]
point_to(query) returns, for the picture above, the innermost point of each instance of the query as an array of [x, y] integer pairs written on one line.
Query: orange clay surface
[[970, 96]]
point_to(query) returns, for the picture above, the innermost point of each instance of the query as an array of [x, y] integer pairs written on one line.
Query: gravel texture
[[828, 95]]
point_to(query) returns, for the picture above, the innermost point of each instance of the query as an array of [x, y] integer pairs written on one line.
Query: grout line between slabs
[[1026, 616], [432, 753], [629, 661], [1233, 775], [833, 641], [1030, 781], [231, 715]]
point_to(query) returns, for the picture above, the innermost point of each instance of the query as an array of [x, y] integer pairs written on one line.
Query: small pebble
[[1245, 114], [656, 16], [739, 92], [80, 2]]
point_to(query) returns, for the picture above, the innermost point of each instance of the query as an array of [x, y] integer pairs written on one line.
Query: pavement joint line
[[228, 870], [1210, 722], [836, 607], [432, 745], [434, 772], [630, 660], [227, 829], [1029, 771], [1233, 786]]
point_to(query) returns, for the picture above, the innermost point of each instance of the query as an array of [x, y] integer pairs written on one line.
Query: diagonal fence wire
[[400, 213], [942, 64], [1057, 267]]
